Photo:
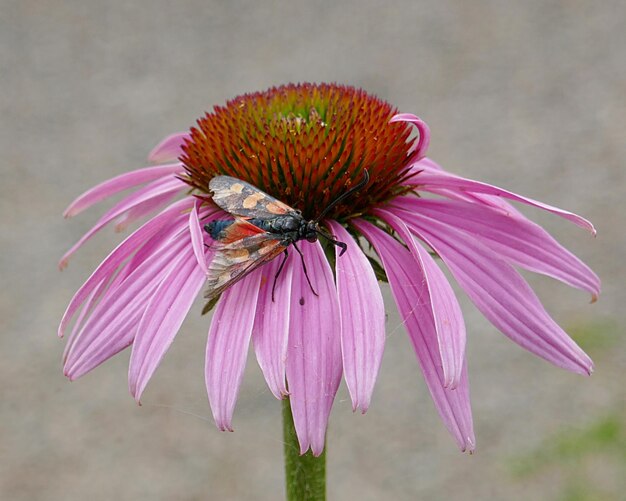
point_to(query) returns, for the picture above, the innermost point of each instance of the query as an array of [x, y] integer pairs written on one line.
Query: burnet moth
[[262, 228]]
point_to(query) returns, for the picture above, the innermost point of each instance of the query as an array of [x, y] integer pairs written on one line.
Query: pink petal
[[156, 189], [512, 236], [362, 314], [445, 308], [227, 346], [163, 244], [409, 293], [121, 253], [141, 210], [152, 246], [429, 178], [120, 183], [314, 352], [86, 310], [169, 149], [428, 163], [197, 238], [421, 146], [271, 324], [162, 319], [112, 324], [166, 236], [501, 294], [490, 200]]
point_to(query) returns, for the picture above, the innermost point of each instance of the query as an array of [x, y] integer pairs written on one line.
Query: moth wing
[[242, 199], [234, 260], [239, 230]]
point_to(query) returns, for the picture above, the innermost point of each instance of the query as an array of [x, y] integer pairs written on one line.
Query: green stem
[[305, 475]]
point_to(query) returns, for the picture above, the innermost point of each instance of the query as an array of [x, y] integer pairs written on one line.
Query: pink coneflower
[[305, 145]]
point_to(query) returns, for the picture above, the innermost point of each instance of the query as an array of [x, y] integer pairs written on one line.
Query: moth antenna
[[343, 196]]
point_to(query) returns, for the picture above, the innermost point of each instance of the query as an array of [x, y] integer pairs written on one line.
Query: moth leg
[[280, 269], [304, 268], [331, 239], [341, 245]]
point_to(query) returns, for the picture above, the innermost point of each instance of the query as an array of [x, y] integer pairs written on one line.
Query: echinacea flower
[[305, 145]]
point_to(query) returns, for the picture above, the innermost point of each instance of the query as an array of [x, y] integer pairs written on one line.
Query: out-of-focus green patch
[[595, 336], [571, 455], [578, 490], [606, 436]]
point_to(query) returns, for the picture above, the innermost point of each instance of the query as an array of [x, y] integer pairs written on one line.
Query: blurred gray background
[[526, 95]]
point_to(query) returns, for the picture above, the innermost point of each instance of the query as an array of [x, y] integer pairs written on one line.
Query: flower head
[[306, 145]]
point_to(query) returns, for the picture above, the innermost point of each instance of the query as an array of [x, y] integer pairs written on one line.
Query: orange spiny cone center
[[305, 145]]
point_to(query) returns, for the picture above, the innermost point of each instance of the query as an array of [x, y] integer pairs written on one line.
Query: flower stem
[[305, 475]]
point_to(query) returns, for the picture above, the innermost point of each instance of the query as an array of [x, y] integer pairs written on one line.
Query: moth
[[262, 229]]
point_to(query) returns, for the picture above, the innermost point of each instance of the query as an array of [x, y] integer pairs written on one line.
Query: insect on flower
[[262, 229], [317, 140]]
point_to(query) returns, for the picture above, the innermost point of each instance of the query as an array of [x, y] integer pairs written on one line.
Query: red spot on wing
[[238, 230]]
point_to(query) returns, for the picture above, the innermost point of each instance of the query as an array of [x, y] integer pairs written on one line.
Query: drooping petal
[[466, 196], [197, 238], [445, 308], [121, 253], [512, 236], [162, 319], [161, 187], [271, 324], [154, 258], [421, 146], [161, 241], [501, 294], [166, 236], [169, 149], [362, 314], [227, 347], [409, 292], [431, 179], [141, 210], [120, 183], [314, 352], [112, 324], [85, 311]]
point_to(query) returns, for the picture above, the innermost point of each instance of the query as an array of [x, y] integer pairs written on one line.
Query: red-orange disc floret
[[304, 144]]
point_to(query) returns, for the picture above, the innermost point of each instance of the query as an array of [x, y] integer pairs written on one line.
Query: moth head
[[312, 230]]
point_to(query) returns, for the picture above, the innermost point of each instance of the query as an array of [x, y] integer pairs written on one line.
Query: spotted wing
[[234, 260], [242, 199]]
